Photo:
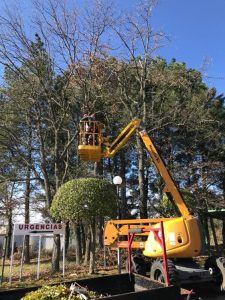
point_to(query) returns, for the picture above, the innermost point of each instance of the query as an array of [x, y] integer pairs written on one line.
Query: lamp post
[[117, 180]]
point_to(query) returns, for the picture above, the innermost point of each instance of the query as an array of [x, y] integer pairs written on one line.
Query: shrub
[[49, 293], [59, 292], [83, 199]]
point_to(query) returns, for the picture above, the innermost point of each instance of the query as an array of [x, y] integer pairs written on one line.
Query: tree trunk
[[43, 163], [214, 235], [27, 215], [100, 232], [141, 179], [98, 169], [27, 249], [56, 254], [56, 158], [77, 239], [28, 189], [223, 182], [83, 239], [123, 199], [9, 214], [87, 247], [93, 246], [10, 229], [67, 237]]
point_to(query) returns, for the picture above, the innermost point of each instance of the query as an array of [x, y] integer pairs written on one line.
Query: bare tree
[[35, 92], [79, 42], [138, 44], [56, 78]]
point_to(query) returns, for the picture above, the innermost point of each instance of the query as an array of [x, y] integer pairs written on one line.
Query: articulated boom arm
[[182, 234], [122, 138], [170, 188]]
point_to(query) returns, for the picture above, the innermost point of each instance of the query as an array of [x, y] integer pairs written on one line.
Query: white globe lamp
[[117, 180]]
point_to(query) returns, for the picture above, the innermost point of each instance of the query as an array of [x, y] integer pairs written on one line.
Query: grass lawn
[[72, 272]]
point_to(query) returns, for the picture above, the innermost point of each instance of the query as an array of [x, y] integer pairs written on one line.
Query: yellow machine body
[[182, 238], [116, 232], [182, 234]]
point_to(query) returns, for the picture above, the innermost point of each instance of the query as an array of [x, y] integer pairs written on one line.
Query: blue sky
[[197, 32], [196, 29]]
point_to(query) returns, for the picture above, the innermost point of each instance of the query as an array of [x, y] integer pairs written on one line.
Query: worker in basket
[[90, 130]]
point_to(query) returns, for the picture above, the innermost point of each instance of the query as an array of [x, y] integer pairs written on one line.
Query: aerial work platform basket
[[90, 140]]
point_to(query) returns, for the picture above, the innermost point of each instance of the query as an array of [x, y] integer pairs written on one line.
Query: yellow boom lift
[[183, 234]]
